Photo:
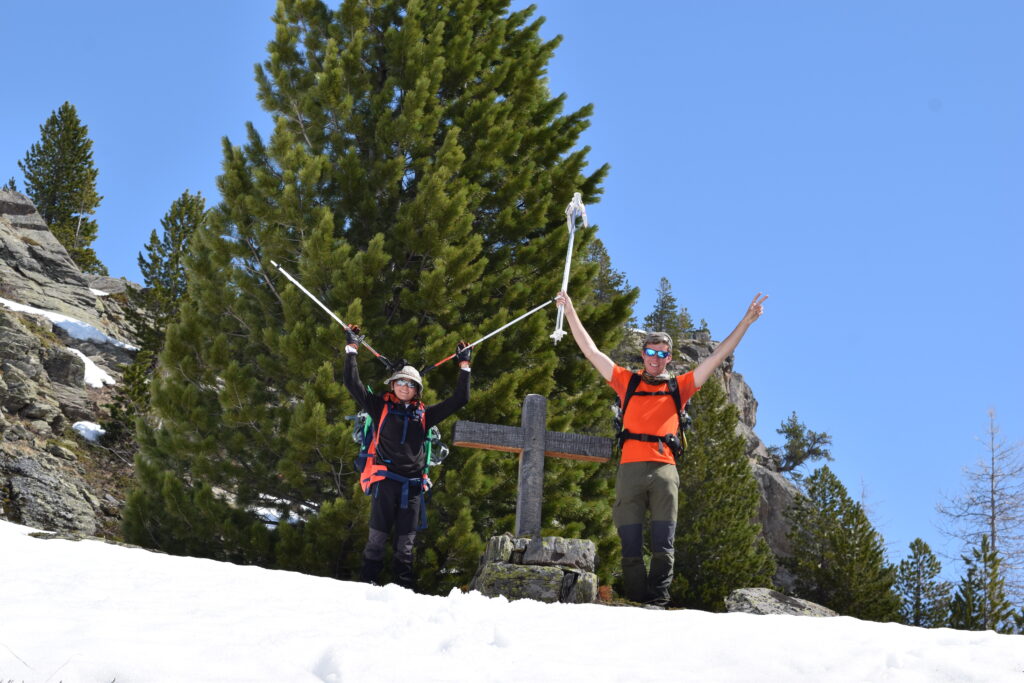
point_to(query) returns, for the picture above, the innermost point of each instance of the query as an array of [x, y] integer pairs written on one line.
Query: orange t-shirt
[[650, 415]]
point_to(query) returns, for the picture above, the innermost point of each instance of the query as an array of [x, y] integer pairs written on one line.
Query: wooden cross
[[532, 441]]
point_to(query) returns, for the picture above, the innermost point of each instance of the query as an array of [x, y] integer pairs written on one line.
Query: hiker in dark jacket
[[395, 466]]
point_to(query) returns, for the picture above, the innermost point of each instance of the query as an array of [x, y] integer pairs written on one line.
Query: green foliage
[[667, 316], [980, 602], [11, 185], [415, 182], [153, 306], [149, 310], [924, 598], [61, 180], [718, 543], [802, 445], [838, 558]]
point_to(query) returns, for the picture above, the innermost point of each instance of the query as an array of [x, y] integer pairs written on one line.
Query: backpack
[[677, 444], [366, 433]]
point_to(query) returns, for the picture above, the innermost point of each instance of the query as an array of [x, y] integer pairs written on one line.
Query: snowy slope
[[88, 611]]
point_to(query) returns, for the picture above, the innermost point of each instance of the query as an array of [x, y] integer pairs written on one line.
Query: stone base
[[548, 569]]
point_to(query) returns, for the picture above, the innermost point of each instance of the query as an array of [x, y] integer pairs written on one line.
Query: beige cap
[[407, 372]]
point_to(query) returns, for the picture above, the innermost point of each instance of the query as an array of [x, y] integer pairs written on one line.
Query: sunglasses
[[406, 383], [659, 354]]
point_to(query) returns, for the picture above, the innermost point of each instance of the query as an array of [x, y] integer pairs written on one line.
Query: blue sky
[[861, 163]]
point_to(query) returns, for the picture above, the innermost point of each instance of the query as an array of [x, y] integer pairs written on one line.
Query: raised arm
[[602, 363], [708, 366]]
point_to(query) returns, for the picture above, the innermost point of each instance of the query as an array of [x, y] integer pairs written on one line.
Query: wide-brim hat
[[407, 372]]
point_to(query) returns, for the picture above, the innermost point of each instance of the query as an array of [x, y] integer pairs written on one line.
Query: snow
[[95, 376], [99, 292], [90, 431], [75, 328], [88, 611]]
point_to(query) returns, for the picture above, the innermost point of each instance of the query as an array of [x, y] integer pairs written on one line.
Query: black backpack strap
[[634, 382], [673, 387]]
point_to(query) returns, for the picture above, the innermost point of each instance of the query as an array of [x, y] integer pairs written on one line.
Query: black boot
[[634, 578], [371, 571], [659, 579], [401, 573]]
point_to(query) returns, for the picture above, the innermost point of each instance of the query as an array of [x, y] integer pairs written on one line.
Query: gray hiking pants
[[639, 487]]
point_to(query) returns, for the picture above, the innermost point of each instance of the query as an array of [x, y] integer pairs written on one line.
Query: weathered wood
[[532, 442], [531, 466], [510, 440]]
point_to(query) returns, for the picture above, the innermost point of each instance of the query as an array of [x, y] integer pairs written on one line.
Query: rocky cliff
[[62, 341]]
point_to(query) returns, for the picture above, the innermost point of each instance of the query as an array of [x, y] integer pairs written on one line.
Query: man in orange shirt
[[647, 476]]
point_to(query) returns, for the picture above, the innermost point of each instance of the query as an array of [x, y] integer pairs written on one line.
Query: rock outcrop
[[55, 324], [767, 601]]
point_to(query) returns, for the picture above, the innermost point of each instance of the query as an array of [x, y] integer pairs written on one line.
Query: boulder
[[768, 601], [548, 568]]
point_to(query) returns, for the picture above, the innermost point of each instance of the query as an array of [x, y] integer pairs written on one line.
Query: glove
[[352, 335], [463, 351]]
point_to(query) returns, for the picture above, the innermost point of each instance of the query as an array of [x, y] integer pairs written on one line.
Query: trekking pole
[[487, 336], [328, 311], [572, 212]]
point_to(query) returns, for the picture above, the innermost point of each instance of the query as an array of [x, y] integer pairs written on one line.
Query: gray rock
[[42, 494], [504, 548], [536, 582], [577, 553], [767, 601], [582, 589]]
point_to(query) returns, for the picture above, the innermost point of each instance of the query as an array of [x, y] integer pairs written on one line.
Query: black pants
[[387, 515]]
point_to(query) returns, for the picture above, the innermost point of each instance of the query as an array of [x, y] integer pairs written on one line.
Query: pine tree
[[718, 542], [992, 504], [980, 602], [61, 180], [924, 598], [11, 185], [415, 181], [802, 445], [838, 558], [611, 290], [151, 308], [163, 271], [667, 316]]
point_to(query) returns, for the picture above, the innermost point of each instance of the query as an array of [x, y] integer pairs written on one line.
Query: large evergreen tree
[[61, 180], [415, 181], [838, 558], [980, 602], [718, 542], [924, 597]]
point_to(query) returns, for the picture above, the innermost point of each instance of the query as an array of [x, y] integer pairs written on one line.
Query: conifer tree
[[150, 310], [992, 504], [11, 185], [802, 445], [667, 316], [61, 180], [924, 597], [838, 558], [980, 602], [415, 181], [718, 545]]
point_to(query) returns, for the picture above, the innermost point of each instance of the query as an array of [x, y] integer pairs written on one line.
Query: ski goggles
[[654, 352], [406, 383]]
